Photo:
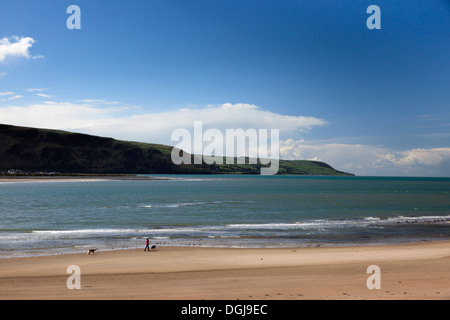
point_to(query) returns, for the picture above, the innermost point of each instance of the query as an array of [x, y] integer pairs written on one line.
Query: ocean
[[55, 217]]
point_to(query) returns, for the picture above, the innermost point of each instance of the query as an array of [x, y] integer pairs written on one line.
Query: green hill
[[43, 150]]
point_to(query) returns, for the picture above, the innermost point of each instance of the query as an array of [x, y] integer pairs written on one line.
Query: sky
[[366, 101]]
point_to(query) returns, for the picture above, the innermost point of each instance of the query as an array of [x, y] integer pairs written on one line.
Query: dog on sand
[[91, 251]]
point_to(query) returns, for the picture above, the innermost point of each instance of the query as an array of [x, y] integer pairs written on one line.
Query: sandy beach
[[412, 271]]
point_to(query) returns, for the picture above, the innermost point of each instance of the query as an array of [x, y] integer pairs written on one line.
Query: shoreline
[[67, 178], [49, 252], [408, 271]]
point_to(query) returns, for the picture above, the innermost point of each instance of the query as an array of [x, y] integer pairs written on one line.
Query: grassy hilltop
[[35, 150]]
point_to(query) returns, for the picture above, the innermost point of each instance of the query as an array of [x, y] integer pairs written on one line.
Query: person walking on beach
[[147, 245]]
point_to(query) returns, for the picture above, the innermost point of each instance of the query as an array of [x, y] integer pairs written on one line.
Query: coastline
[[408, 271], [67, 178]]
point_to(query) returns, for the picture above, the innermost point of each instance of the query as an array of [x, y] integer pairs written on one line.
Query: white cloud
[[39, 56], [419, 157], [36, 89], [18, 96], [109, 119], [6, 93], [63, 115], [15, 47], [44, 95], [371, 160], [98, 101]]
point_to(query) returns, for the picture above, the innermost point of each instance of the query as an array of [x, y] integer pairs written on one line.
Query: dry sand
[[413, 271]]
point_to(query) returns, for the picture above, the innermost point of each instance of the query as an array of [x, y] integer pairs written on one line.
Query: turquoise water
[[224, 211]]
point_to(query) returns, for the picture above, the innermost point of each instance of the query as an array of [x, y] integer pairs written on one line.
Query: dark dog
[[92, 251], [153, 248]]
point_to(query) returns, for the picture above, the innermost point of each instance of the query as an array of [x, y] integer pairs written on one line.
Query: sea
[[238, 211]]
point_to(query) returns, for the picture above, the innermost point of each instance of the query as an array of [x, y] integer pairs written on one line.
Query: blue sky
[[372, 102]]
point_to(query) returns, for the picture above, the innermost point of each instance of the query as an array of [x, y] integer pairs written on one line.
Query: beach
[[407, 271], [225, 238]]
